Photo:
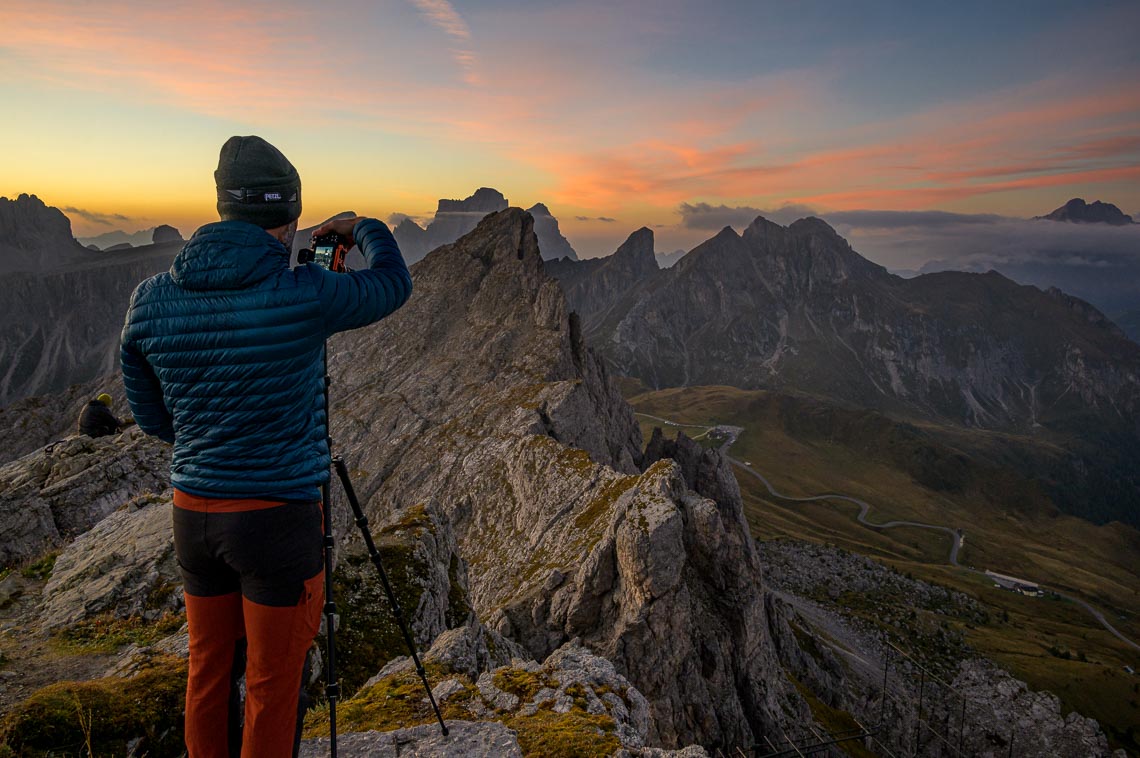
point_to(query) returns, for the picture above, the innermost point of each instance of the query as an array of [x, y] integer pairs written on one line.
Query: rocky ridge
[[597, 286], [533, 457], [59, 492], [63, 325], [35, 237], [795, 309]]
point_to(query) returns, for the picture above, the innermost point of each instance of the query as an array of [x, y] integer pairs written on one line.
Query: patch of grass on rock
[[40, 568], [106, 633], [102, 717]]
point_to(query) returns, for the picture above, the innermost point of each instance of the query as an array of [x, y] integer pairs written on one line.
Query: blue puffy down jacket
[[222, 356]]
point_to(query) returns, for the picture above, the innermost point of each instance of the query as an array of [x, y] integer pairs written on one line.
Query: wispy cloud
[[443, 15], [104, 219], [603, 219]]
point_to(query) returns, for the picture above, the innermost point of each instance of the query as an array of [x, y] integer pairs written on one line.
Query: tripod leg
[[332, 687], [374, 555]]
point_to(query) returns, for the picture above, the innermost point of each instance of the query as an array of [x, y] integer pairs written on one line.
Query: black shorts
[[266, 553]]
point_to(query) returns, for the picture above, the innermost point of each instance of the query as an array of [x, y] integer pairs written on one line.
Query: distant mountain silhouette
[[117, 237], [455, 218], [668, 260], [551, 243], [166, 233], [1080, 212]]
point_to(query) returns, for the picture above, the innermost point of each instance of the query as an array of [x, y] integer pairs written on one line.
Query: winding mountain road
[[957, 537], [864, 507]]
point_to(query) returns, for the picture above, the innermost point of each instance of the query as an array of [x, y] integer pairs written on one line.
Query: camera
[[328, 251]]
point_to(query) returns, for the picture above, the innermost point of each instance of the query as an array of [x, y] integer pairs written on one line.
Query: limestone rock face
[[63, 490], [62, 326], [412, 239], [480, 396], [124, 566], [453, 219], [467, 739], [1003, 707], [706, 472]]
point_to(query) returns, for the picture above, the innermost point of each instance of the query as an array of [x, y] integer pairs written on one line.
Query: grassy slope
[[1100, 563]]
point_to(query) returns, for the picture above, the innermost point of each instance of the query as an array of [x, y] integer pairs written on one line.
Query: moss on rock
[[369, 636], [398, 701], [101, 717], [574, 734]]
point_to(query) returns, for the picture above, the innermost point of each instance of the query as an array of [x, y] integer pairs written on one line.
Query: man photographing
[[222, 356]]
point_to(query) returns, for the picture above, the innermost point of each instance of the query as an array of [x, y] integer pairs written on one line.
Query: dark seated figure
[[96, 420]]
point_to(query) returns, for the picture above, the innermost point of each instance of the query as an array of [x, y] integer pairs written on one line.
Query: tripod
[[332, 687]]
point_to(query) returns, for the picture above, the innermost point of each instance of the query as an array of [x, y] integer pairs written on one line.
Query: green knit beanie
[[257, 184]]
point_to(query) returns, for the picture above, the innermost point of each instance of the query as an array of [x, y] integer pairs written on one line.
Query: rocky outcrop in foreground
[[59, 492], [124, 567]]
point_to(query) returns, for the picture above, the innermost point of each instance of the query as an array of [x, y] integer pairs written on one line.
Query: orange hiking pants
[[254, 583]]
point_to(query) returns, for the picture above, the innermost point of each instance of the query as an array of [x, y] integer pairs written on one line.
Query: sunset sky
[[615, 114]]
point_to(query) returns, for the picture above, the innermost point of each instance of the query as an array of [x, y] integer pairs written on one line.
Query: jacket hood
[[228, 255]]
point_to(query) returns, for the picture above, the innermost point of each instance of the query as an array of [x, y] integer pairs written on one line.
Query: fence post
[[918, 721], [883, 704], [962, 726]]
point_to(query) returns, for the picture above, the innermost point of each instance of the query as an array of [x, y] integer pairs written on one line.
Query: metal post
[[883, 704], [962, 726], [918, 722]]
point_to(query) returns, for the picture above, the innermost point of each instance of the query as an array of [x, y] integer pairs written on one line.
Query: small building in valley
[[1012, 583]]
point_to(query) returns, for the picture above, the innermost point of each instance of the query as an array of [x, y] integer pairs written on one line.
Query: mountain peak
[[35, 236], [812, 225], [637, 252], [1079, 212], [483, 200], [455, 218]]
